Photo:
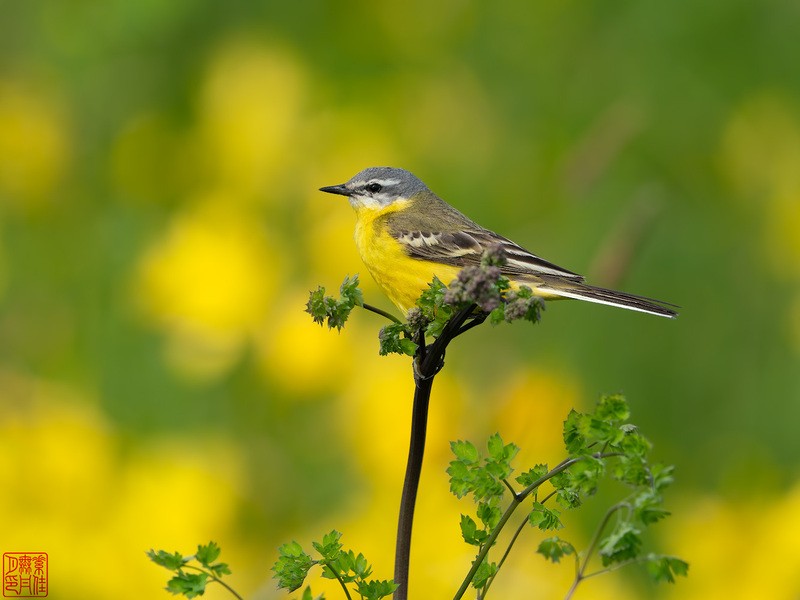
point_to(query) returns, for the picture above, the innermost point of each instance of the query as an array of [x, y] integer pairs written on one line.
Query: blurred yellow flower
[[34, 143], [71, 491], [209, 282], [529, 409], [741, 548], [249, 111], [302, 356], [782, 237]]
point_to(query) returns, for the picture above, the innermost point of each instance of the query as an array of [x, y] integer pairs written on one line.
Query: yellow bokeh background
[[160, 229]]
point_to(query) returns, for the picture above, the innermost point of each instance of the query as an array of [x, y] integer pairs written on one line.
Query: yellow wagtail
[[406, 235]]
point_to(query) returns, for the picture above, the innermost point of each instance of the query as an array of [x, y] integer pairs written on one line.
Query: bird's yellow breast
[[401, 277]]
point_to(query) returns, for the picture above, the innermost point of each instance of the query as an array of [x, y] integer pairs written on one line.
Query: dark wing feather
[[465, 247]]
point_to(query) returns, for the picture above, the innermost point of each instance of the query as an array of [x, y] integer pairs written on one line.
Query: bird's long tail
[[590, 293]]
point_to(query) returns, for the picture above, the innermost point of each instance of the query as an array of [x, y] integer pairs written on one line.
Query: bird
[[406, 235]]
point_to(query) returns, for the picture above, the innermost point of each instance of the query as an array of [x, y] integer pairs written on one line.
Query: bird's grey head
[[378, 187]]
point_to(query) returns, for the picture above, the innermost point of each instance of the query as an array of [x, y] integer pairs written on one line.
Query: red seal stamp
[[25, 574]]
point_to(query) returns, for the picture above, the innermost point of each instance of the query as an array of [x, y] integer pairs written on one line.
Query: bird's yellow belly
[[401, 277]]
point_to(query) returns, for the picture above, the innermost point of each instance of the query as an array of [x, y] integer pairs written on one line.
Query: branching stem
[[381, 312], [214, 578], [515, 502], [427, 364], [580, 568]]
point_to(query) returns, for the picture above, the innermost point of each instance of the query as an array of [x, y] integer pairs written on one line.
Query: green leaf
[[584, 475], [632, 443], [375, 590], [169, 561], [489, 514], [574, 440], [351, 294], [665, 568], [470, 532], [568, 495], [554, 549], [292, 566], [393, 340], [308, 596], [501, 452], [207, 554], [498, 315], [460, 478], [220, 569], [533, 475], [347, 566], [330, 546], [190, 585], [316, 305], [647, 507], [482, 575], [465, 452], [322, 307], [661, 476], [613, 408], [545, 518], [624, 543]]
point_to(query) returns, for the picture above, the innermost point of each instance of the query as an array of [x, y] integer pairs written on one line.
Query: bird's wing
[[465, 247]]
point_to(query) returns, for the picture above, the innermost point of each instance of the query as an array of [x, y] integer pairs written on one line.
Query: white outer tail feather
[[634, 303]]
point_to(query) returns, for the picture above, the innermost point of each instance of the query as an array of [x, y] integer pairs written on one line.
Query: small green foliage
[[622, 544], [307, 595], [470, 532], [394, 339], [599, 444], [482, 477], [489, 514], [465, 452], [485, 571], [292, 566], [544, 518], [433, 311], [190, 585], [647, 507], [374, 589], [554, 549], [193, 584], [531, 476], [172, 561], [665, 568], [329, 547], [324, 308], [345, 566]]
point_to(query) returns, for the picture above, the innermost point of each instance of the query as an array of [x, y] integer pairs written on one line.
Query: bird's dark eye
[[374, 188]]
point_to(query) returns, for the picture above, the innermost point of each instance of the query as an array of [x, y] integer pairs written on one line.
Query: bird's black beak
[[340, 189]]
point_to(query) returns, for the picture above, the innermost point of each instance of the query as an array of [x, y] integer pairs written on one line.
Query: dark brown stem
[[427, 364]]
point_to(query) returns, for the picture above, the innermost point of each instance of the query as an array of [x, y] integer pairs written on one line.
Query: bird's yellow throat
[[401, 277]]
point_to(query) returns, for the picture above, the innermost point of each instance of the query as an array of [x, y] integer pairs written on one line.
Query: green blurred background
[[160, 227]]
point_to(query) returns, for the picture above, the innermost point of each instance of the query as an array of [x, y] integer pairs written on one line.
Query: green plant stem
[[381, 312], [506, 553], [427, 364], [515, 502], [216, 579], [580, 573], [341, 582]]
